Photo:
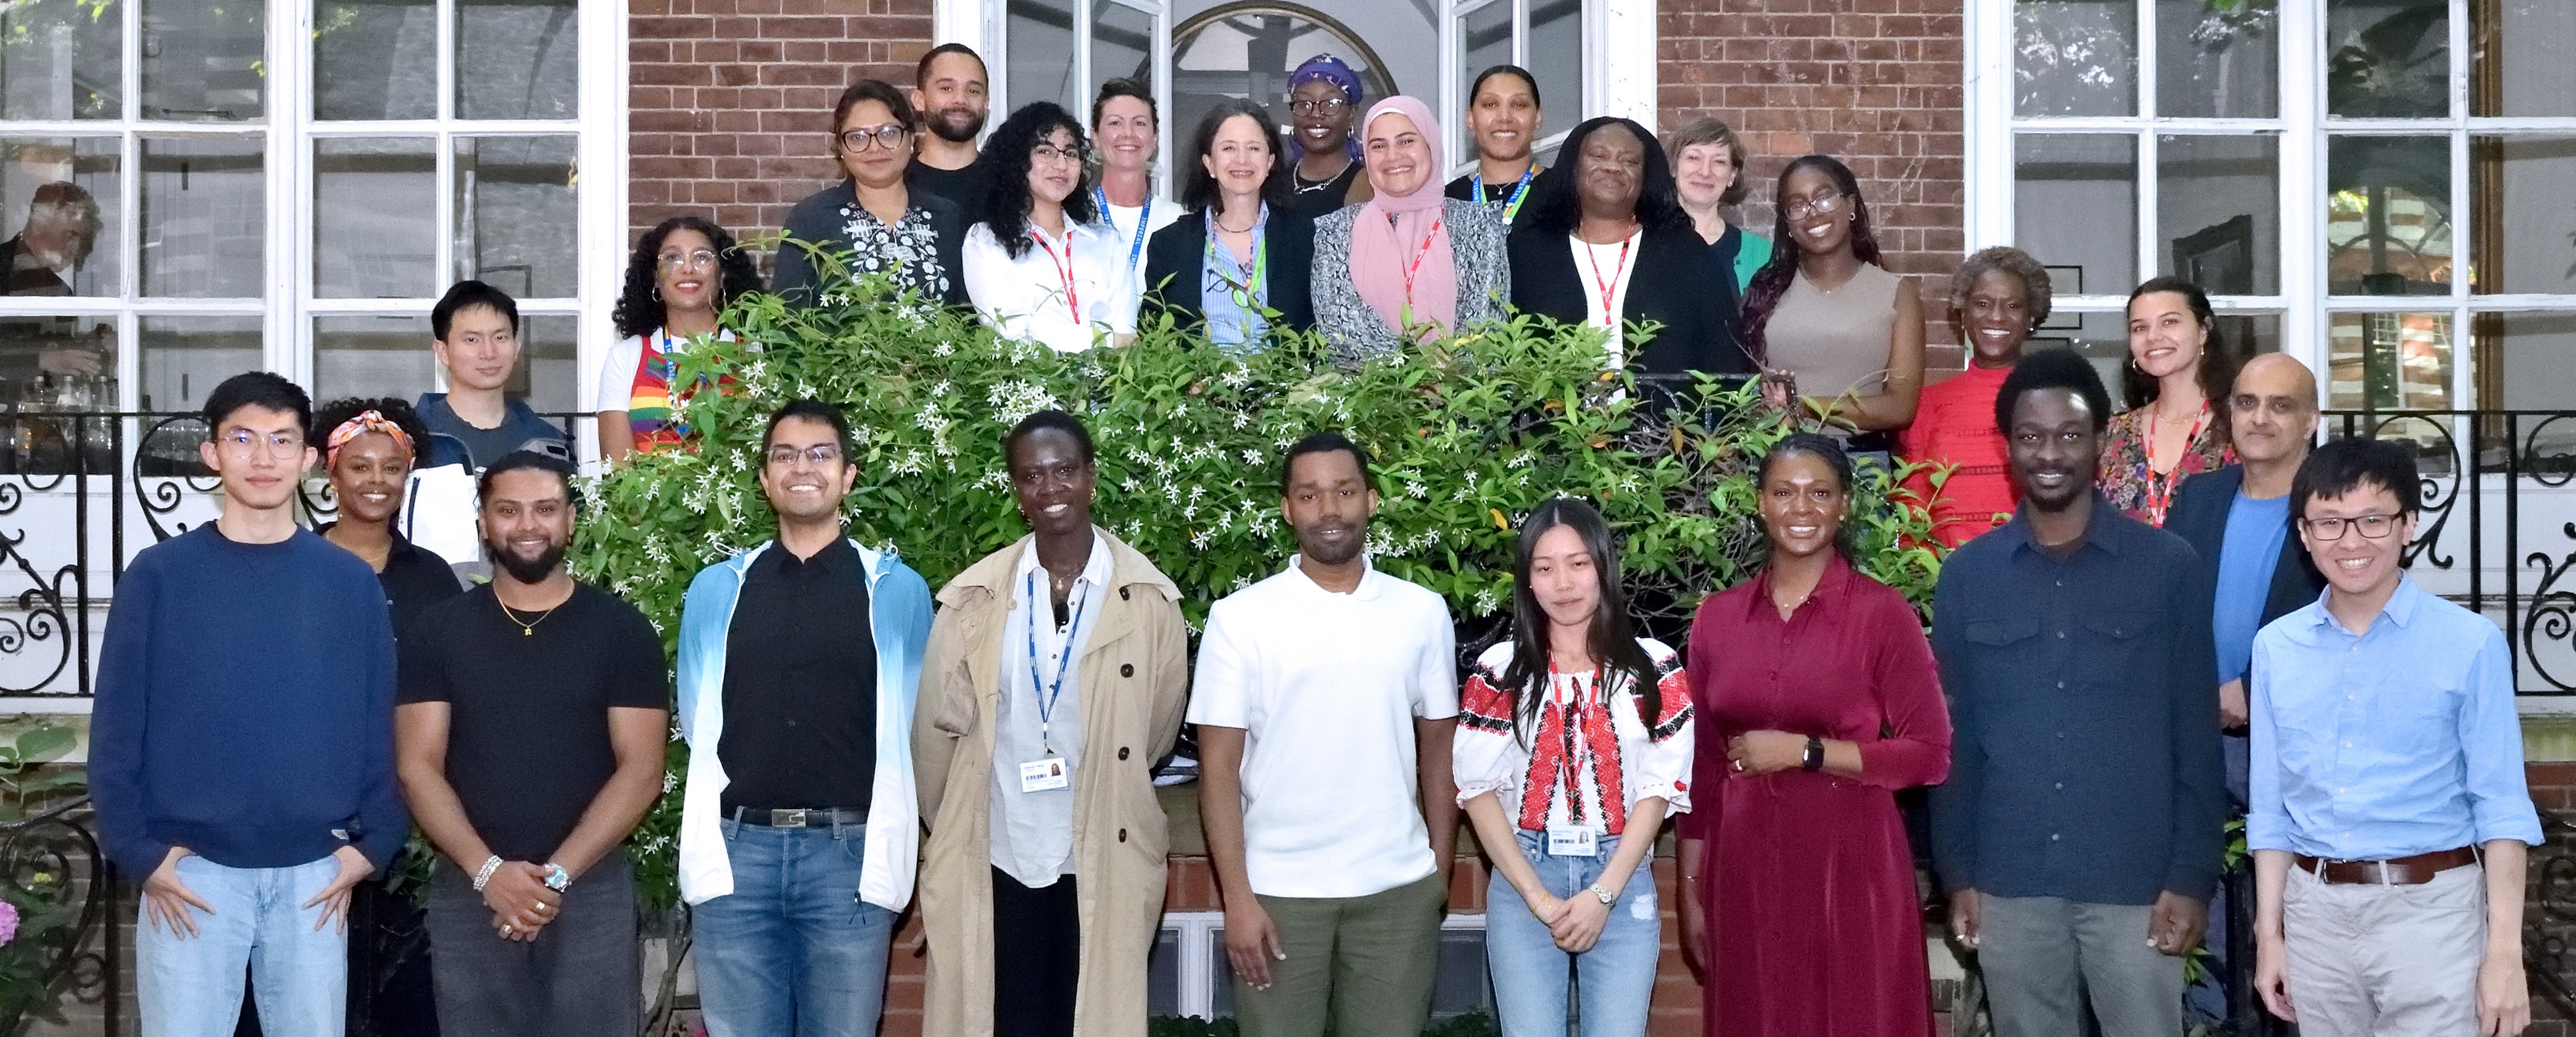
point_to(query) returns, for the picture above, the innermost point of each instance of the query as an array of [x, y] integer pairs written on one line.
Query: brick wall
[[1875, 83], [730, 101]]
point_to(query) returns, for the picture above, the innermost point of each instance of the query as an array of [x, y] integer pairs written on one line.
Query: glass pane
[[1220, 976], [204, 60], [517, 59], [184, 357], [375, 59], [59, 198], [2388, 361], [205, 205], [2522, 188], [375, 217], [1163, 975], [2538, 351], [2100, 337], [2388, 215], [57, 363], [2075, 57], [1249, 52], [2388, 59], [549, 375], [1458, 983], [1041, 54], [1556, 54], [2075, 198], [2217, 60], [1484, 41], [61, 60], [515, 214], [372, 355], [1122, 47], [2218, 205], [2522, 66]]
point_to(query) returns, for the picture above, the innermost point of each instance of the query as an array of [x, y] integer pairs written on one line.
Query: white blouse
[[1547, 776], [1063, 293], [1130, 228], [1605, 271]]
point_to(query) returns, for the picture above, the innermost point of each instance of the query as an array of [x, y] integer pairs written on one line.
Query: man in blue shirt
[[2387, 756], [2079, 833]]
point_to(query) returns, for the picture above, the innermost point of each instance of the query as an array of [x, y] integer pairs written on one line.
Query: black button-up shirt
[[2086, 763], [414, 578], [800, 685]]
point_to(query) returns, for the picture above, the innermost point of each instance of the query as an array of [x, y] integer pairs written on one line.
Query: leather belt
[[817, 817], [2403, 871]]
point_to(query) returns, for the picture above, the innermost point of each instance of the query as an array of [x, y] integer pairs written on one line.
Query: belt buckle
[[786, 819]]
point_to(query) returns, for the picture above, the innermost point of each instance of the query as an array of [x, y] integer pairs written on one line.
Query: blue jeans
[[792, 951], [192, 986], [1615, 979]]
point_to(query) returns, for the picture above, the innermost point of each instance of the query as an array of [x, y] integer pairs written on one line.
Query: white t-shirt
[[1326, 688], [1606, 269], [1120, 227], [1032, 298]]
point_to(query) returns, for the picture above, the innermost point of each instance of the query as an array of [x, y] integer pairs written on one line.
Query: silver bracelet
[[490, 865]]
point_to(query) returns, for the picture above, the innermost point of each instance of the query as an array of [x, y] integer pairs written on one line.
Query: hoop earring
[[657, 293]]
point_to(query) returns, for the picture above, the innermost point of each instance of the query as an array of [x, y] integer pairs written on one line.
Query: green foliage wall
[[1469, 434]]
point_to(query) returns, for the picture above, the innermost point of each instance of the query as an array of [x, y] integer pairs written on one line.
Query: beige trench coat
[[1134, 687]]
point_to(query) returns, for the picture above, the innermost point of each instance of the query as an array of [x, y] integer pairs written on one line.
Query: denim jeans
[[192, 986], [1614, 980], [792, 951]]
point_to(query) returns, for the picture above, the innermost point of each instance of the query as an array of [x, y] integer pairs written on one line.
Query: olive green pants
[[1364, 963]]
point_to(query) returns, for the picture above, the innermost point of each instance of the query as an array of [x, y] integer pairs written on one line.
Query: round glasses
[[1824, 204], [888, 136]]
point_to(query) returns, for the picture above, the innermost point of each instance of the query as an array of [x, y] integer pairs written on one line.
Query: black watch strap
[[1814, 759]]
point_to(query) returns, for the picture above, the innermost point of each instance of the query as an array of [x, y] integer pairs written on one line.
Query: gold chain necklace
[[526, 629]]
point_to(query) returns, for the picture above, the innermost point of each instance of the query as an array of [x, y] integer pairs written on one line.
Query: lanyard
[[2160, 489], [1577, 748], [1143, 220], [1519, 192], [1415, 268], [1064, 660], [1609, 289], [1247, 292], [1063, 270]]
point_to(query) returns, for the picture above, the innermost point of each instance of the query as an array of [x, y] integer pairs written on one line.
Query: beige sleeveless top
[[1835, 341]]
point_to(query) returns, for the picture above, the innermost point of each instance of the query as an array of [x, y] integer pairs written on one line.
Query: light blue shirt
[[2256, 529], [2397, 741], [1231, 325]]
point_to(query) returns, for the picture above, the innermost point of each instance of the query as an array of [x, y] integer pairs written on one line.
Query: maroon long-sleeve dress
[[1813, 925]]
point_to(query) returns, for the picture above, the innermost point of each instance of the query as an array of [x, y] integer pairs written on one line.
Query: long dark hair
[[639, 307], [2217, 375], [1198, 186], [1823, 448], [1613, 639], [1763, 295], [1007, 202], [1560, 208]]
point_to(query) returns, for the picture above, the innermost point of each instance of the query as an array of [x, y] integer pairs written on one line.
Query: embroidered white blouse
[[1554, 772]]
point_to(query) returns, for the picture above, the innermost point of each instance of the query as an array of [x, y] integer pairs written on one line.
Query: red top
[[1955, 425]]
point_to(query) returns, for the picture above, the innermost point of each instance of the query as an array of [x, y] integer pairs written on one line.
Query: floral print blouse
[[907, 251], [2132, 485]]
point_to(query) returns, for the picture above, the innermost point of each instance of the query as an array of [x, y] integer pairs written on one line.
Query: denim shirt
[[2086, 761]]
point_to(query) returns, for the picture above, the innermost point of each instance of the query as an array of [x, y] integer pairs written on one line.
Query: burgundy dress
[[1813, 923]]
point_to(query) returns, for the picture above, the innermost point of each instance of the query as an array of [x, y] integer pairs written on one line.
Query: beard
[[1331, 554], [524, 569], [957, 124]]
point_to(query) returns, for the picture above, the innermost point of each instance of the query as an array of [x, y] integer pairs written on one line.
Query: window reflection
[[517, 59], [204, 60], [2388, 215], [61, 59]]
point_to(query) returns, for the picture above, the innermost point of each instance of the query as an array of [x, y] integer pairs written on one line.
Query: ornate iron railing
[[51, 865]]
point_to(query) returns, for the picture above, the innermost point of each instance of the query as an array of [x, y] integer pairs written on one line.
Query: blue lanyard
[[1143, 220], [1513, 207], [1063, 662]]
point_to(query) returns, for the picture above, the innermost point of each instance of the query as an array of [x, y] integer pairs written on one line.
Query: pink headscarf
[[1400, 234]]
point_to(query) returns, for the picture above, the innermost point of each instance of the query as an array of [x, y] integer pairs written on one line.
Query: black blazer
[[1176, 267], [1675, 280], [2199, 516]]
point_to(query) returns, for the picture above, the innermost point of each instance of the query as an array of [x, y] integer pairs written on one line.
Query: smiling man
[[1327, 700], [951, 91], [475, 329], [2390, 817], [2079, 833], [798, 660]]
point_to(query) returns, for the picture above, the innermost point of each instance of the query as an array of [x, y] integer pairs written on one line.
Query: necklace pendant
[[527, 631]]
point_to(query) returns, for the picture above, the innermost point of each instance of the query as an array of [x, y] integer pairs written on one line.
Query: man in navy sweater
[[241, 754]]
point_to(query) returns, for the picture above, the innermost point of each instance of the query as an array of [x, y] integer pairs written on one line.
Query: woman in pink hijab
[[1408, 264]]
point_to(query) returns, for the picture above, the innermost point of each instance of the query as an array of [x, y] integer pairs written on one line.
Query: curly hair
[[1010, 151], [639, 307], [1559, 206], [328, 417], [2010, 261], [1772, 281]]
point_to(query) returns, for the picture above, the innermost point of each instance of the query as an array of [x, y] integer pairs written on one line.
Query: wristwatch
[[1814, 758], [1607, 897]]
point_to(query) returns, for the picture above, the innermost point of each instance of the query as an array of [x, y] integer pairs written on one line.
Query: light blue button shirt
[[2398, 741]]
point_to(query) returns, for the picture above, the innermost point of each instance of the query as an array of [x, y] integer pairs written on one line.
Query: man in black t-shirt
[[529, 731], [949, 92]]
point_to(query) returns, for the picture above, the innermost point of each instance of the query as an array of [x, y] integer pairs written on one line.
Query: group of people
[[2093, 699]]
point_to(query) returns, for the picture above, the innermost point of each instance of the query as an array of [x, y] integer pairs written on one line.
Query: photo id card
[[1573, 841], [1045, 773]]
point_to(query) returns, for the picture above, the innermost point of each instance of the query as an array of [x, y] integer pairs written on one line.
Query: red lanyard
[[1418, 256], [2160, 490], [1063, 270], [1609, 289], [1577, 748]]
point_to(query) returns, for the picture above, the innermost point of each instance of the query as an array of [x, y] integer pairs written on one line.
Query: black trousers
[[1037, 957]]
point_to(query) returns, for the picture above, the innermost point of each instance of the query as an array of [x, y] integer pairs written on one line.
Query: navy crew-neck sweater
[[245, 706]]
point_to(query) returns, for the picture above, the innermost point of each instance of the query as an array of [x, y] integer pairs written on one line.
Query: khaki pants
[[2386, 961], [1364, 963]]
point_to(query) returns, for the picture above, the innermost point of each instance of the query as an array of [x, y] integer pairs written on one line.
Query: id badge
[[1043, 774], [1573, 841]]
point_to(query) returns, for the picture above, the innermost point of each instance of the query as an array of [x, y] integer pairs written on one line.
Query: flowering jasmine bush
[[1469, 433]]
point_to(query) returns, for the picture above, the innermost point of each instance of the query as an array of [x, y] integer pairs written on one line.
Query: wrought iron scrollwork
[[166, 455], [53, 863], [2436, 496]]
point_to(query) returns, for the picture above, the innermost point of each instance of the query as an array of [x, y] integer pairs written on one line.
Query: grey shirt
[[1032, 832]]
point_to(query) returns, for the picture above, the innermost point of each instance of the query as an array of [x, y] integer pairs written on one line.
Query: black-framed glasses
[[1823, 204], [821, 454], [889, 136], [1076, 153], [2329, 530], [1327, 106]]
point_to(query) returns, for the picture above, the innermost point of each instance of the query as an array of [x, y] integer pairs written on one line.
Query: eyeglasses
[[889, 136], [1327, 106], [821, 454], [1074, 153], [2329, 530], [1821, 205], [702, 259], [243, 443]]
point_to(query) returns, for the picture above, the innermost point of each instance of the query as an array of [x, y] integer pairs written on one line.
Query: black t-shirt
[[1497, 196], [800, 687], [414, 578], [966, 187], [527, 737], [1315, 201]]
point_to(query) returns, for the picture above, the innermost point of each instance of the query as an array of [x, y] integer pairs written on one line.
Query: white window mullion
[[2146, 75], [290, 179], [600, 204], [1987, 91], [2303, 190], [2150, 196]]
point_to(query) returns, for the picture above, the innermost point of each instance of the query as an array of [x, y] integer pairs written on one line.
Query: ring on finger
[[507, 929]]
